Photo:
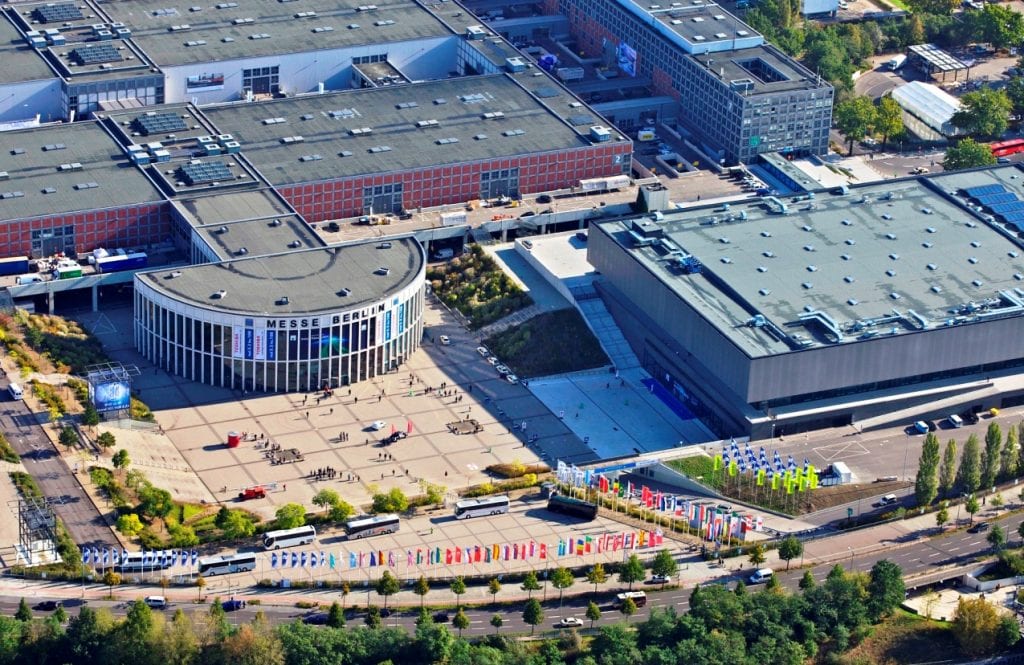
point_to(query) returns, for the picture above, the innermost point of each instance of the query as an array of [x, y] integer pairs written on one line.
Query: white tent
[[930, 105]]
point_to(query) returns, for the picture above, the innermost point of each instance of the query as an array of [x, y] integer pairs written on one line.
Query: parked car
[[232, 605], [482, 350], [47, 605], [660, 579], [886, 500], [493, 360], [501, 369], [512, 378], [445, 340], [378, 425], [570, 622], [544, 198], [970, 417], [397, 435], [316, 619], [441, 617], [980, 527]]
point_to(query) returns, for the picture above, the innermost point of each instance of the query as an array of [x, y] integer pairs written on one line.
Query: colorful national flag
[[543, 551]]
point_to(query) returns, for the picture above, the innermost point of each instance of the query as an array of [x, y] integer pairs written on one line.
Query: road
[[57, 482]]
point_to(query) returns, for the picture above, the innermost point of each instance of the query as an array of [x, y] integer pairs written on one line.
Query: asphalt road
[[57, 482]]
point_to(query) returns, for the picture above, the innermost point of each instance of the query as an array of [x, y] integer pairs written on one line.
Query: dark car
[[441, 617], [395, 436], [385, 612], [232, 605], [931, 425], [316, 619], [544, 198], [970, 417], [47, 605], [333, 227], [980, 527], [528, 213]]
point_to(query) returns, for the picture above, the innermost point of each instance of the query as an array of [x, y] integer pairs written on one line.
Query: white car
[[482, 350], [493, 360], [512, 378], [660, 579], [378, 425], [570, 622], [501, 369], [444, 340]]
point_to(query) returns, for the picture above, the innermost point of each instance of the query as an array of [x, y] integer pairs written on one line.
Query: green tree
[[1010, 454], [947, 472], [530, 583], [24, 612], [290, 516], [60, 615], [155, 502], [1001, 26], [967, 154], [562, 579], [1015, 92], [200, 583], [372, 619], [90, 416], [996, 538], [179, 644], [68, 436], [972, 506], [121, 459], [942, 517], [106, 440], [460, 621], [134, 637], [1020, 532], [497, 622], [757, 555], [632, 571], [976, 626], [593, 613], [926, 485], [182, 535], [969, 475], [533, 614], [932, 7], [664, 564], [337, 508], [111, 579], [855, 118], [628, 608], [421, 589], [790, 548], [885, 589], [807, 581], [458, 587], [238, 525], [129, 524], [494, 587], [984, 112], [597, 575], [889, 119], [388, 585], [992, 457], [394, 501], [336, 616]]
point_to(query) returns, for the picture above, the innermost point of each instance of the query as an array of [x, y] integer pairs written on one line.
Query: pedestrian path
[[607, 332]]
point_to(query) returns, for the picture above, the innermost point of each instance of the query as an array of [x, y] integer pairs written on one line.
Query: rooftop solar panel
[[993, 199], [1003, 208], [95, 55], [1015, 218], [198, 173], [982, 190], [160, 123], [57, 12]]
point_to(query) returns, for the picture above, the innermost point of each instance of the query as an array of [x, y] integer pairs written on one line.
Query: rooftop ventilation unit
[[283, 300], [174, 274], [474, 32], [344, 292], [220, 295], [600, 134]]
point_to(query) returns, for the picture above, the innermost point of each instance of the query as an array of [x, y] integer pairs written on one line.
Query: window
[[261, 80]]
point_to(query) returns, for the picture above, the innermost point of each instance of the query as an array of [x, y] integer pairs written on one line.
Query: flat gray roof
[[884, 259], [312, 280], [334, 144], [764, 67], [257, 221], [21, 62], [34, 161], [699, 22], [227, 28]]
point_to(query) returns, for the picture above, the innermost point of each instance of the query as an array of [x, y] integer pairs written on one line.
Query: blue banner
[[271, 345], [401, 318], [113, 396], [250, 336], [387, 326]]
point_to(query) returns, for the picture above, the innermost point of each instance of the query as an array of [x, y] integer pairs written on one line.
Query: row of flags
[[113, 556]]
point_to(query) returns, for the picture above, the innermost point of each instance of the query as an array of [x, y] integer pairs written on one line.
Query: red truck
[[252, 493]]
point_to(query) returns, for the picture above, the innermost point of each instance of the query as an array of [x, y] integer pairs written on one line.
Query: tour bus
[[275, 540], [362, 527], [137, 562], [227, 564], [492, 505], [575, 507], [639, 598]]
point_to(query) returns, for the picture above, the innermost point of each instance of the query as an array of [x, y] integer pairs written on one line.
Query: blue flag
[[312, 560], [331, 559], [195, 557], [352, 563], [295, 559], [85, 555], [273, 560]]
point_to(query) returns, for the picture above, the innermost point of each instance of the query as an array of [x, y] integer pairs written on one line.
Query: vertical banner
[[388, 315], [259, 348], [250, 336], [401, 318], [236, 342], [271, 345]]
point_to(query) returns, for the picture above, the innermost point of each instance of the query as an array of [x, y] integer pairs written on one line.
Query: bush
[[140, 411], [63, 342], [7, 452], [394, 501], [48, 396], [477, 287], [26, 485], [517, 469]]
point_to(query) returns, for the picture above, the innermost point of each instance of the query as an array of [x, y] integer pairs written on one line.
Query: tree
[[632, 571], [458, 587], [533, 614], [885, 589], [530, 584], [889, 119], [992, 457], [493, 587], [290, 516], [790, 548], [155, 502], [967, 154], [388, 585], [996, 538], [1001, 26], [129, 524], [111, 579], [942, 517], [597, 575], [60, 615], [106, 440], [664, 564], [24, 612], [1010, 455], [947, 472], [996, 501], [1015, 92], [938, 7], [372, 619], [121, 459], [421, 589], [757, 556], [562, 579], [68, 436], [628, 608], [593, 612], [238, 525], [984, 112], [1020, 532], [976, 626], [182, 535], [200, 583], [855, 118], [345, 590], [926, 485], [460, 621], [90, 416], [337, 508], [969, 475], [807, 581], [497, 622], [394, 501], [972, 505]]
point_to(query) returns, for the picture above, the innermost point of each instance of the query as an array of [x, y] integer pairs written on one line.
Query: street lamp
[[851, 558]]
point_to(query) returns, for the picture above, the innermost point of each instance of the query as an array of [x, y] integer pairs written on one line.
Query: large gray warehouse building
[[782, 315]]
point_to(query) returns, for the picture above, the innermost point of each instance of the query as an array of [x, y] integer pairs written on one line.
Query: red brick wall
[[128, 227], [662, 83]]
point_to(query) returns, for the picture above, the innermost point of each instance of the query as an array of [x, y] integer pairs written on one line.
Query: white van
[[156, 602], [761, 575], [955, 420], [15, 391]]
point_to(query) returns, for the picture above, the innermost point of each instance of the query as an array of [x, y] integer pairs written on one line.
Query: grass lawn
[[551, 343], [905, 638], [697, 466]]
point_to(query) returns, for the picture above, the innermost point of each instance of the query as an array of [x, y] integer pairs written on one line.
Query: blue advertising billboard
[[112, 396]]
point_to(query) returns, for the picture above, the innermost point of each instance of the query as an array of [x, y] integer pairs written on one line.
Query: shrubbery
[[477, 287]]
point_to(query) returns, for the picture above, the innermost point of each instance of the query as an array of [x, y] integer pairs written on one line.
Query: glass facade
[[279, 354]]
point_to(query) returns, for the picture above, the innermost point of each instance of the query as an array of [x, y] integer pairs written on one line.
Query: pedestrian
[[356, 398], [332, 410], [445, 474], [350, 392], [285, 487], [307, 414]]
